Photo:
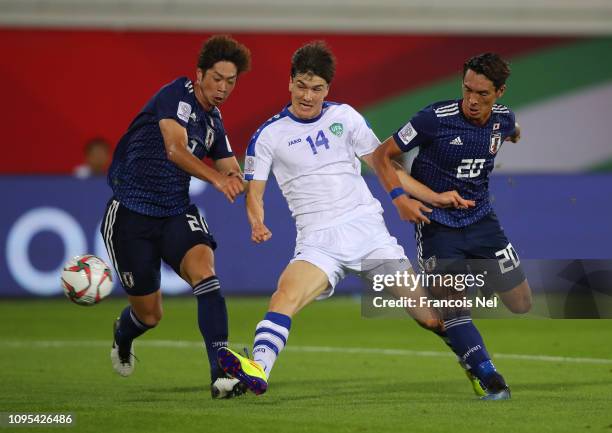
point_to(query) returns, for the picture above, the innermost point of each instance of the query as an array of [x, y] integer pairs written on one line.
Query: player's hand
[[517, 134], [260, 233], [411, 210], [230, 186], [238, 175], [232, 173], [452, 199], [514, 138]]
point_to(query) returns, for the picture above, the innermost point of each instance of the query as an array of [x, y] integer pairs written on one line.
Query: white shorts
[[344, 248]]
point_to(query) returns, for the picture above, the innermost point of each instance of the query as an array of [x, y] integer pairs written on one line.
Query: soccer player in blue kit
[[150, 217], [458, 141]]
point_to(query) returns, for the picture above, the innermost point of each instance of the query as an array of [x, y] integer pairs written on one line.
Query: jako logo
[[297, 140]]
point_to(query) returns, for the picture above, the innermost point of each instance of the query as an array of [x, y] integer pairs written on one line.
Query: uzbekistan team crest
[[496, 142], [337, 129]]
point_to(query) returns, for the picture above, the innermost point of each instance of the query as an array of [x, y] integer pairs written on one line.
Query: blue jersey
[[455, 154], [141, 176]]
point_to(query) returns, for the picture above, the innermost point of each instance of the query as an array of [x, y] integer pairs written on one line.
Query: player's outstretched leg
[[270, 338], [477, 387], [300, 283], [468, 344], [462, 337], [125, 329], [440, 331], [431, 321], [213, 324]]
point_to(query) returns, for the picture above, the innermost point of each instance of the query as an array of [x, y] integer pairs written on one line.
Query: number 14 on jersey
[[321, 140]]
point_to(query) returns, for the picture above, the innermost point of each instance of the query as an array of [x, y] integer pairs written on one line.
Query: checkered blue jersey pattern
[[141, 176], [455, 154]]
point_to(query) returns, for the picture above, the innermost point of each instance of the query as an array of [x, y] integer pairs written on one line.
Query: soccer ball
[[86, 280]]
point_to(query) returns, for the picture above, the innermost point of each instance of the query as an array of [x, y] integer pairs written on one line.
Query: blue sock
[[271, 337], [444, 337], [467, 343], [129, 328], [212, 320]]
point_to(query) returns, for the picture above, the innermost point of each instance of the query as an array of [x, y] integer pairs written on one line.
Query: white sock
[[270, 338]]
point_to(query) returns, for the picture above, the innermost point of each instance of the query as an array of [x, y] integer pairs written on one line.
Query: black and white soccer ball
[[87, 280]]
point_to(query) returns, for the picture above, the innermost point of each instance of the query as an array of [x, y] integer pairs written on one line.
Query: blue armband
[[396, 192]]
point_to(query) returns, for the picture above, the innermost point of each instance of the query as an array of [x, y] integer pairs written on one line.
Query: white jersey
[[315, 163]]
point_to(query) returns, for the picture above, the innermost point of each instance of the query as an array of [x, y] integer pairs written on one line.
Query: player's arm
[[421, 191], [229, 167], [410, 184], [255, 211], [426, 194], [381, 161], [395, 181], [517, 133], [175, 142]]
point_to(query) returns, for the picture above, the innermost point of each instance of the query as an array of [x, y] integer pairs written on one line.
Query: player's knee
[[196, 271], [518, 300], [284, 301], [151, 320], [196, 276], [197, 265], [521, 305], [434, 325], [151, 317]]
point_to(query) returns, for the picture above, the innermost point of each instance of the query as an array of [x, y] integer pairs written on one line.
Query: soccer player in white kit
[[314, 150]]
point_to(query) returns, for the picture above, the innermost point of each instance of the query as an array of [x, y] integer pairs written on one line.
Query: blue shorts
[[137, 243], [481, 247]]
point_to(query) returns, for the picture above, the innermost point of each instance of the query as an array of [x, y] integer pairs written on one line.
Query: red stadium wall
[[62, 88]]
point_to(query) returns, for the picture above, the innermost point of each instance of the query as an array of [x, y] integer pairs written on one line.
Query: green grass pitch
[[54, 357]]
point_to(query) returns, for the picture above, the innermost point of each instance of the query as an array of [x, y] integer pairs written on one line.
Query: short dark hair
[[221, 48], [97, 142], [490, 65], [315, 58]]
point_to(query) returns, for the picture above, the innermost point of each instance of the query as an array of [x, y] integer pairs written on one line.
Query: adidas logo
[[457, 141]]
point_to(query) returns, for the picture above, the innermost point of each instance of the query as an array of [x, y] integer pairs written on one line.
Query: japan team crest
[[430, 264], [496, 142], [210, 138], [128, 279]]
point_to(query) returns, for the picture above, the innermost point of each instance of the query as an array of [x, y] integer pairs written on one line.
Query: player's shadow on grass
[[311, 389], [557, 386], [178, 389]]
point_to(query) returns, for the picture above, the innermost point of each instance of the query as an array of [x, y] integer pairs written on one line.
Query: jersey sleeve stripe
[[449, 107], [251, 147], [450, 113]]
